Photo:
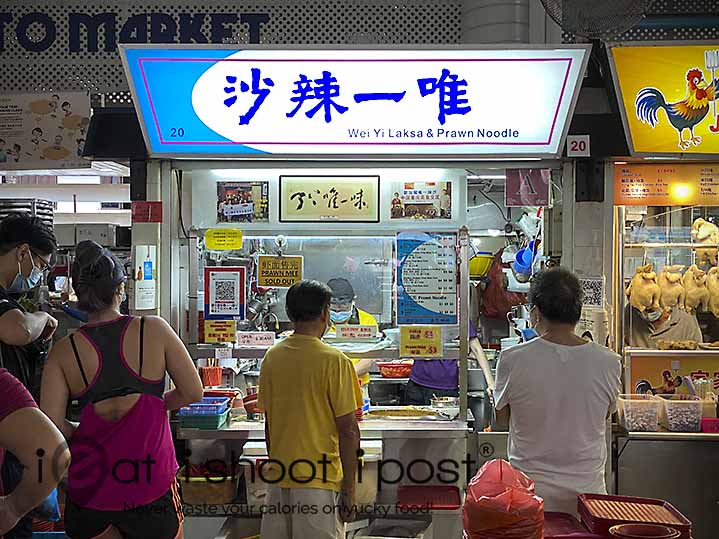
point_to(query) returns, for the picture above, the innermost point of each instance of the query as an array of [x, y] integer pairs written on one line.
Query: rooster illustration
[[685, 114]]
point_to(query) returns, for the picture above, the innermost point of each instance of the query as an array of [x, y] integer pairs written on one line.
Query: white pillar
[[495, 21]]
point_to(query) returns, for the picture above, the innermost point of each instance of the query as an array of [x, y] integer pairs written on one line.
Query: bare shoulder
[[158, 324]]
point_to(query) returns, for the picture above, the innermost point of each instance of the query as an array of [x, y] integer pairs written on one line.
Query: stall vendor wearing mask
[[344, 311], [643, 330]]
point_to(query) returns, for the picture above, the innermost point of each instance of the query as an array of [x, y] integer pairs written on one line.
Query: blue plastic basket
[[207, 406]]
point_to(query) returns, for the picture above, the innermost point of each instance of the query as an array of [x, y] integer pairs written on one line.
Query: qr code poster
[[225, 292], [593, 290]]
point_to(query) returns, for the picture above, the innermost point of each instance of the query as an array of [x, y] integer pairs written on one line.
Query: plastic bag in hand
[[501, 503]]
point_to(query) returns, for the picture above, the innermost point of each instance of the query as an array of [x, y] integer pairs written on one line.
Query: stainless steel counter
[[371, 429]]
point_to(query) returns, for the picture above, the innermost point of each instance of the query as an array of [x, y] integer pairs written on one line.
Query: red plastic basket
[[433, 497], [394, 370], [600, 512]]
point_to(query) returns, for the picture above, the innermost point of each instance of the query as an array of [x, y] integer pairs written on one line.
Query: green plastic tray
[[204, 421]]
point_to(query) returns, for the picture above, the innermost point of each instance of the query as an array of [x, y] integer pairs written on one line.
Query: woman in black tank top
[[123, 408]]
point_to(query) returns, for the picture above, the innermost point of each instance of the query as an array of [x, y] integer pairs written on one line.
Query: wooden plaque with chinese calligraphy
[[323, 199]]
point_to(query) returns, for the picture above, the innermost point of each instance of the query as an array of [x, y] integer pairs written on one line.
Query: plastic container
[[208, 422], [479, 264], [207, 406], [508, 342], [681, 413], [639, 413], [599, 512], [201, 490], [369, 479], [643, 531], [710, 425], [523, 261]]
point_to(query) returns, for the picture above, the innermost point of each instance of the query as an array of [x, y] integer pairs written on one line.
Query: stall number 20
[[177, 132], [578, 146]]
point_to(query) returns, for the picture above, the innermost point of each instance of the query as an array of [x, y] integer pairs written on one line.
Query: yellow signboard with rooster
[[669, 96]]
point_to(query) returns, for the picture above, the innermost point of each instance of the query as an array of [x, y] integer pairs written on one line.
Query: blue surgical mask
[[653, 316], [22, 284], [339, 317]]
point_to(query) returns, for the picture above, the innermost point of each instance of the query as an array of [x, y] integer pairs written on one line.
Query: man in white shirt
[[556, 393]]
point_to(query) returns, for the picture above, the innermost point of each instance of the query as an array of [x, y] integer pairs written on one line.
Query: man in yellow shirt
[[309, 393], [344, 311]]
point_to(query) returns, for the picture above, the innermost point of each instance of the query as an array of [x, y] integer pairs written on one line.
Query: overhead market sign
[[668, 97], [220, 101]]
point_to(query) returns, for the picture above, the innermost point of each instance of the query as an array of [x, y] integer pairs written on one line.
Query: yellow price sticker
[[220, 331], [223, 239], [420, 341]]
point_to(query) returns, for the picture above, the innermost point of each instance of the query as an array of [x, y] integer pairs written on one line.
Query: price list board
[[426, 278], [666, 185]]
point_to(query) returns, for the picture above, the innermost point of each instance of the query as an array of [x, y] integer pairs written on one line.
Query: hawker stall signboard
[[426, 278], [225, 290], [43, 131], [320, 199], [668, 97], [217, 101], [668, 184]]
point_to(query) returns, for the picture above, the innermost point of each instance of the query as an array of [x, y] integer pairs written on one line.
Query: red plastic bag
[[501, 503], [497, 302]]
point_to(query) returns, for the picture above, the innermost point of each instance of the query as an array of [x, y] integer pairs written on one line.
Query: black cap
[[341, 289]]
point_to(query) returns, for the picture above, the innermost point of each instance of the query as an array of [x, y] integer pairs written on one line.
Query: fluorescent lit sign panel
[[223, 102]]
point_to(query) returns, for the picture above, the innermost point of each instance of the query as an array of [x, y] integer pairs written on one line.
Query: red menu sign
[[147, 212]]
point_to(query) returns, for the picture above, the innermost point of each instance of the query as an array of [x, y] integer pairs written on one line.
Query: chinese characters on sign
[[356, 333], [322, 92], [220, 331], [420, 341], [666, 185], [279, 271], [426, 278], [228, 102], [225, 290], [329, 198], [258, 339], [421, 200]]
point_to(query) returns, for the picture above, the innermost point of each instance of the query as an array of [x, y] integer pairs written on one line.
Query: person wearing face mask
[[344, 311], [643, 330], [26, 250], [309, 393]]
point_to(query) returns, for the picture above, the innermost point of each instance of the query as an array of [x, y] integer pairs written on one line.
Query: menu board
[[666, 185], [426, 278]]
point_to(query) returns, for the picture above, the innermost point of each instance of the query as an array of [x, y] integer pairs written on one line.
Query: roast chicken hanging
[[643, 291], [697, 293], [671, 287]]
